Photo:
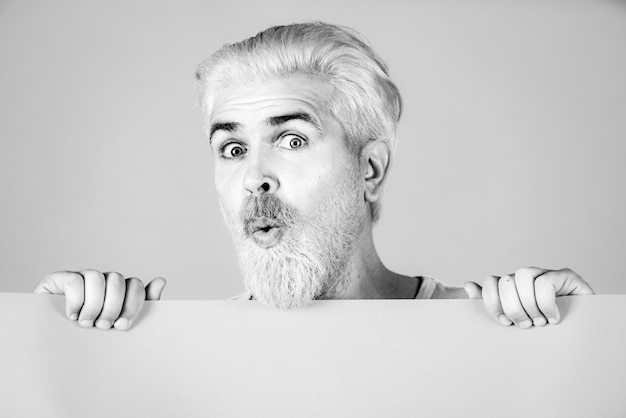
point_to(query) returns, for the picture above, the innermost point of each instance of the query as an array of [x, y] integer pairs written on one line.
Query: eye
[[291, 141], [232, 150], [295, 142]]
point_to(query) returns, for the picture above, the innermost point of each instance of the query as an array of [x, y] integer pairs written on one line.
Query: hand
[[528, 297], [106, 299]]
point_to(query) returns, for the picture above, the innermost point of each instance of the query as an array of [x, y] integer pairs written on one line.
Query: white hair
[[365, 101]]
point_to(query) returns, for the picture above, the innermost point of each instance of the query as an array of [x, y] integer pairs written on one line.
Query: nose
[[258, 178]]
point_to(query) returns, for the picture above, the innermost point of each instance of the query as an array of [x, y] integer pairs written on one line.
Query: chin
[[287, 304]]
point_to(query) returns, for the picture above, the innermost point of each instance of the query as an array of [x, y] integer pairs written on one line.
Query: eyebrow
[[271, 121], [223, 126], [279, 120]]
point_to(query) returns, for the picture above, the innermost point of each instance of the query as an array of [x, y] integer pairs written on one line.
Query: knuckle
[[72, 275], [542, 283], [570, 272], [505, 284], [73, 279], [507, 278], [115, 279], [113, 275], [521, 271], [490, 281], [61, 273], [92, 275], [135, 286], [133, 281], [524, 274], [91, 271], [490, 289], [64, 274]]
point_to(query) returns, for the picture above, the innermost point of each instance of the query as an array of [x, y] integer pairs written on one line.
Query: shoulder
[[431, 288], [241, 296]]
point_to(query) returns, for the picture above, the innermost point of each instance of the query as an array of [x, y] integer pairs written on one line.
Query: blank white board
[[387, 358]]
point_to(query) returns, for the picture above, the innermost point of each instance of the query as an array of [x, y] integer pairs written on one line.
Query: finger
[[491, 300], [115, 291], [525, 284], [155, 288], [68, 283], [135, 296], [94, 297], [473, 290], [546, 299], [511, 303], [558, 283]]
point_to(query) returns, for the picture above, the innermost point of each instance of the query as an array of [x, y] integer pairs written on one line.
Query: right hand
[[104, 299]]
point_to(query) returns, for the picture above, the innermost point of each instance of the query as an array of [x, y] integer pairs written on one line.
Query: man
[[302, 122]]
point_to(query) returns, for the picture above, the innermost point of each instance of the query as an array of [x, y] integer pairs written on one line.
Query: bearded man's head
[[292, 114]]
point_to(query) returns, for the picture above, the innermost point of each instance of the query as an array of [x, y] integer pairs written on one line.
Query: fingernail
[[86, 323], [539, 322], [504, 320], [122, 323], [103, 324], [74, 316], [525, 324]]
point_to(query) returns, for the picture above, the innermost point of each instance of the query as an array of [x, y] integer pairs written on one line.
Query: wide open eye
[[291, 141], [233, 150]]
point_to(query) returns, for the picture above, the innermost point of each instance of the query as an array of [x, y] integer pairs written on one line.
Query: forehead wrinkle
[[233, 102], [280, 117], [305, 117]]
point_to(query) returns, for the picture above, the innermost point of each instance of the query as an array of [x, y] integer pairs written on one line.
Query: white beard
[[311, 259]]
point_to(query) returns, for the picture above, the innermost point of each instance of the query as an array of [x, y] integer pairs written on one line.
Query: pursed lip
[[262, 224], [265, 232]]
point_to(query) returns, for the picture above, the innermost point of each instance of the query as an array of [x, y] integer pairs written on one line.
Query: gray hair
[[366, 102]]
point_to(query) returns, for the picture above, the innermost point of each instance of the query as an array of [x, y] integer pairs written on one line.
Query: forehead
[[252, 102]]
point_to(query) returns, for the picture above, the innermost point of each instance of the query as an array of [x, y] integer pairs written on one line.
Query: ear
[[377, 156]]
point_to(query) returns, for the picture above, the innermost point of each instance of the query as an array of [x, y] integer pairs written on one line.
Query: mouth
[[265, 232]]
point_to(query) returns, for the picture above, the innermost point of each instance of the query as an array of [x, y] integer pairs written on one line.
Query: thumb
[[155, 288], [567, 282], [473, 290]]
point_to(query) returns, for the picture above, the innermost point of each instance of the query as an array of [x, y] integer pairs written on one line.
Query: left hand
[[527, 297]]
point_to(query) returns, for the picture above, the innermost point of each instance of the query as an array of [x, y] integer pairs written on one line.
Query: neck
[[366, 277]]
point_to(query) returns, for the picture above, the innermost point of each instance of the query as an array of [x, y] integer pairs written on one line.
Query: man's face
[[289, 188]]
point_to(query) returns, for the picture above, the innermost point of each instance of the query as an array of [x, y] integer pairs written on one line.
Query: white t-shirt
[[430, 288]]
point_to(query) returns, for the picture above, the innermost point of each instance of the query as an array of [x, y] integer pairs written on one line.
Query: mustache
[[266, 210]]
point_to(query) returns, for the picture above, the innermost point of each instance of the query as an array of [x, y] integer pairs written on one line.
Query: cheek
[[311, 192], [303, 182], [227, 193]]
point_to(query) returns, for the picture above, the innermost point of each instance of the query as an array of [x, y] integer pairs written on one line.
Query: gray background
[[511, 149]]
